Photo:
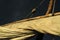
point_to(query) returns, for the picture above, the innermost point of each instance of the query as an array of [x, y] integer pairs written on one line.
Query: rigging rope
[[49, 7], [53, 8], [34, 9], [48, 10]]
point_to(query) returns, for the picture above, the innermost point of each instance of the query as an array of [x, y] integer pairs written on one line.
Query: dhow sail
[[20, 30]]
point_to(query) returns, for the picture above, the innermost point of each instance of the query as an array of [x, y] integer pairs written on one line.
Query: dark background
[[12, 10]]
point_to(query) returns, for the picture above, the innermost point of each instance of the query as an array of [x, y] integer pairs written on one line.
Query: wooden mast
[[49, 7]]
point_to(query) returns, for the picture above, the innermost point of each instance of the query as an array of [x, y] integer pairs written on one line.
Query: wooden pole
[[49, 7]]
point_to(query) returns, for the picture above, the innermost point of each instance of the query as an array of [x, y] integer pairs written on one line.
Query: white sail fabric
[[44, 25]]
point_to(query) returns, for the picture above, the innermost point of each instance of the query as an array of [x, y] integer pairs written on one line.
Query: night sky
[[12, 10]]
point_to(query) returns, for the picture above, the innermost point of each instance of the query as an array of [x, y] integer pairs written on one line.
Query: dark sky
[[12, 10]]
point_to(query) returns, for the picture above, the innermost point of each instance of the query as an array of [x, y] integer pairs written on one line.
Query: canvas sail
[[21, 29], [44, 25]]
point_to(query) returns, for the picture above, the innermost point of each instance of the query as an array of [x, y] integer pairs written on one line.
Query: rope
[[53, 8], [33, 10]]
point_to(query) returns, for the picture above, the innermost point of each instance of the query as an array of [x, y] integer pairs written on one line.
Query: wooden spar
[[30, 19], [49, 7], [50, 25]]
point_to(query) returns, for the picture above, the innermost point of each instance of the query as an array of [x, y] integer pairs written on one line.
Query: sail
[[37, 24], [49, 25]]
